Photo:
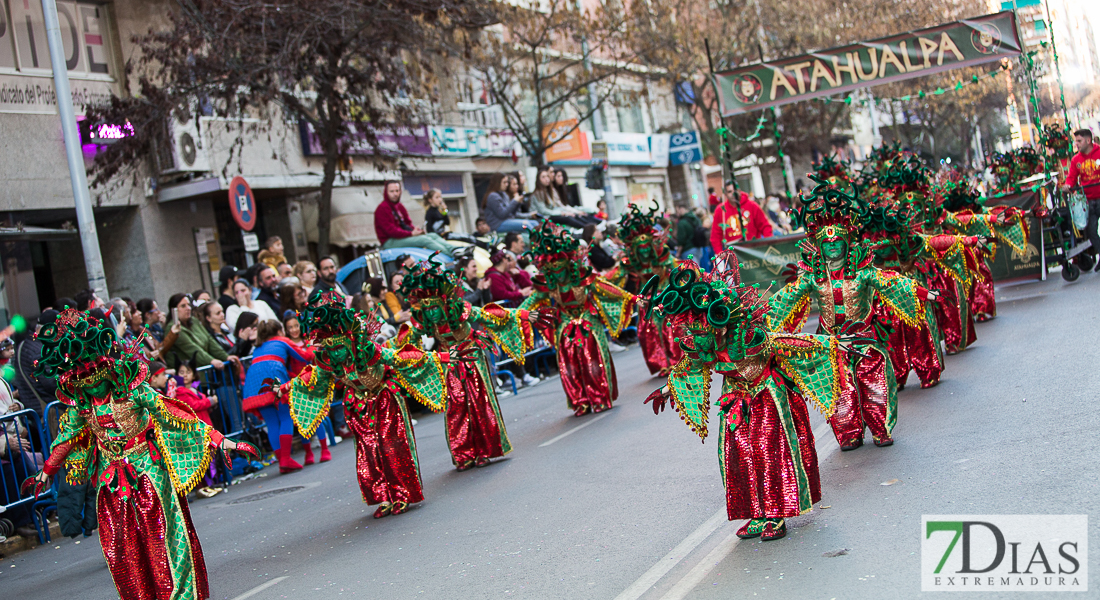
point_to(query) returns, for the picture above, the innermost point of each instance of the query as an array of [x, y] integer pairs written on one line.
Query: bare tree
[[343, 67], [544, 61]]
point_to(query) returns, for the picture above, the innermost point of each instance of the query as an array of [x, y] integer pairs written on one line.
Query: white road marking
[[572, 431], [260, 588], [715, 556]]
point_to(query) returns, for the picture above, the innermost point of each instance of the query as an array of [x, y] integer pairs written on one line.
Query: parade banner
[[764, 259], [1008, 263], [904, 56]]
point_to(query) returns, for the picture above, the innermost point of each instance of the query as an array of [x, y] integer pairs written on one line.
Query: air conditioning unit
[[188, 151]]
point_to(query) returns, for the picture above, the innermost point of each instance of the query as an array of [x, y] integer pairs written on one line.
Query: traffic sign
[[242, 203]]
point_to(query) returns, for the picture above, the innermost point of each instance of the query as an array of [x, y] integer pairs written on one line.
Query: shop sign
[[684, 148], [397, 141], [628, 149], [908, 55], [471, 142], [571, 143], [658, 150]]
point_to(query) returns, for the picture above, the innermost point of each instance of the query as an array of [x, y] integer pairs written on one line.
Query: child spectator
[[272, 254], [187, 389]]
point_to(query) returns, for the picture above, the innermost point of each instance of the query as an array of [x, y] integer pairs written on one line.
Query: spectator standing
[[153, 318], [226, 276], [267, 280], [272, 253], [306, 272], [501, 283], [326, 277], [396, 304], [200, 297], [213, 318], [690, 235], [293, 328], [597, 255], [35, 392], [1084, 171], [737, 217], [193, 342], [245, 334], [243, 293], [395, 229], [501, 210], [292, 298]]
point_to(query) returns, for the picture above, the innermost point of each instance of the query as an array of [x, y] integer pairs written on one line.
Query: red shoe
[[884, 442], [851, 444], [383, 510], [309, 453], [399, 507], [464, 466], [774, 529], [286, 464], [581, 410], [481, 462], [752, 528], [325, 454]]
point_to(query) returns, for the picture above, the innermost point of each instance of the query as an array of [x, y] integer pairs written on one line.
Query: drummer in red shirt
[[1084, 171], [737, 219]]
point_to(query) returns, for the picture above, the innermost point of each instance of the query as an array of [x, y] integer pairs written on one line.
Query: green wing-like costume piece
[[898, 292], [508, 328], [615, 304], [814, 363], [421, 374], [310, 397], [789, 308], [689, 383]]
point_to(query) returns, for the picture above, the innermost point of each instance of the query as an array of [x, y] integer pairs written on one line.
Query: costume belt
[[120, 476]]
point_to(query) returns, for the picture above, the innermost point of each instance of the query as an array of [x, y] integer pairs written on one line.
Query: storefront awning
[[35, 234]]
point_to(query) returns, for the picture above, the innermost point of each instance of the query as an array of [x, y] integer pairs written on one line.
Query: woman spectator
[[546, 202], [243, 293], [152, 318], [293, 328], [474, 290], [192, 342], [293, 298], [597, 255], [275, 361], [500, 211], [568, 193], [245, 334], [306, 272], [396, 305], [501, 283], [213, 317], [200, 297]]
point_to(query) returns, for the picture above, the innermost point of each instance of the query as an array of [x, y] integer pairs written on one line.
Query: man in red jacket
[[737, 219], [394, 228], [1084, 171]]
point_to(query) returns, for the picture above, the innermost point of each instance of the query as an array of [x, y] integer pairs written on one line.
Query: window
[[23, 46]]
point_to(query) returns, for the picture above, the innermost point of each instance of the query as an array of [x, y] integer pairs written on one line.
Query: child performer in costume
[[647, 256], [145, 452], [475, 429], [836, 270], [765, 442], [376, 378], [582, 305]]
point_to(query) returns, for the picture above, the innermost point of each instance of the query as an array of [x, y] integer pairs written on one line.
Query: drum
[[1078, 209]]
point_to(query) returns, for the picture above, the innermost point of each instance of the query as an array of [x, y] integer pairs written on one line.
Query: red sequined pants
[[661, 353], [134, 534], [473, 430], [385, 451], [864, 402], [953, 312], [762, 480], [914, 348], [585, 377], [983, 302]]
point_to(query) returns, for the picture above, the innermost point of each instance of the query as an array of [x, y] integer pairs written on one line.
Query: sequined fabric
[[983, 302], [867, 401], [661, 353], [587, 373], [953, 316], [770, 464], [913, 348], [474, 427], [385, 449]]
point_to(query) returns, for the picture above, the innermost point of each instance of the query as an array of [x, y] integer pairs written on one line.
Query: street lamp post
[[89, 240]]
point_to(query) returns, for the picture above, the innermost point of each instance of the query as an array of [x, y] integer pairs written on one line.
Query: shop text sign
[[36, 96], [997, 553], [471, 141], [904, 56]]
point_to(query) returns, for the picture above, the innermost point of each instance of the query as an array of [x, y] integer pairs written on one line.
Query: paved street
[[628, 505]]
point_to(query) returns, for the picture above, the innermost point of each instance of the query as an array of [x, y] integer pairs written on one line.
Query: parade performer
[[765, 443], [143, 450], [647, 255], [475, 428], [965, 216], [377, 379], [837, 271], [586, 309]]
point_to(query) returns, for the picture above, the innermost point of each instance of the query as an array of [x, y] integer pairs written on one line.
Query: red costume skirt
[[765, 477], [913, 348], [587, 373], [866, 402], [385, 450], [661, 353], [983, 302], [474, 428], [953, 313], [135, 533]]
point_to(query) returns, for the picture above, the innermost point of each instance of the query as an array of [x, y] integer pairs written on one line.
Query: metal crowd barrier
[[17, 463]]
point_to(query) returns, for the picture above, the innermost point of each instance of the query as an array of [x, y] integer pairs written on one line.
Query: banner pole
[[727, 159]]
